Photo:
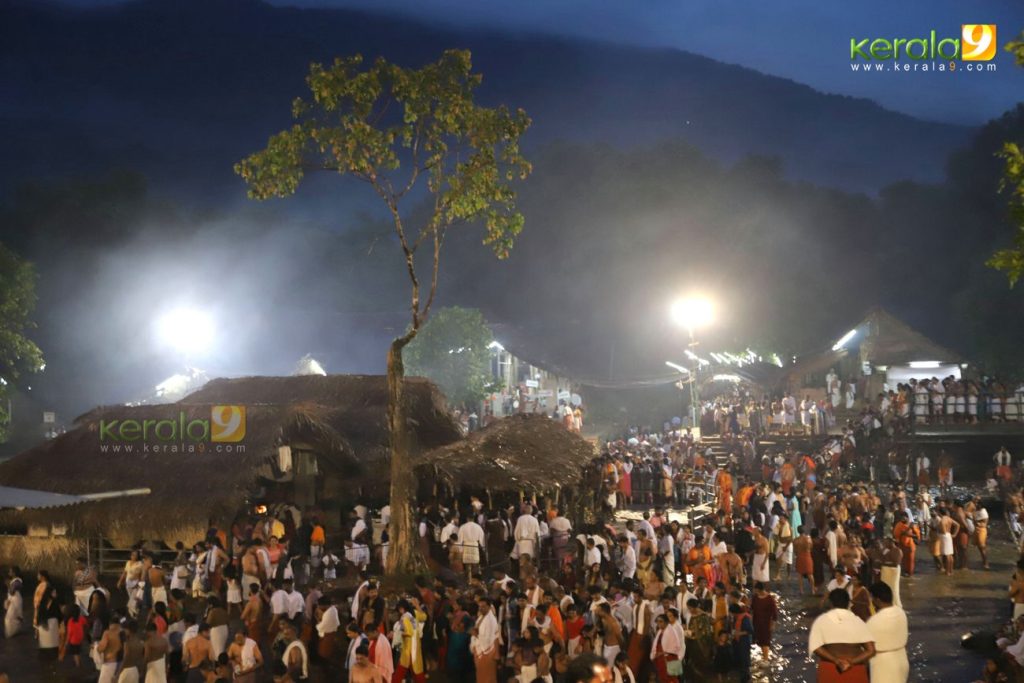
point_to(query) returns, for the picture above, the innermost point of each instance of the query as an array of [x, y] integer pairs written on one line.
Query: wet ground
[[940, 609]]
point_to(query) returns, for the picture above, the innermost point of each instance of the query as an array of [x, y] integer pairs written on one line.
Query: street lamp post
[[694, 392], [691, 313]]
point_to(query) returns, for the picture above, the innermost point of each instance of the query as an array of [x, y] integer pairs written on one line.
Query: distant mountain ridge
[[183, 88]]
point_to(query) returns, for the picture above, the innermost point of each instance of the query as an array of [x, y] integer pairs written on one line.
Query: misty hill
[[181, 89]]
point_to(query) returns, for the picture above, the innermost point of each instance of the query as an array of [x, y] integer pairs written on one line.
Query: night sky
[[805, 40]]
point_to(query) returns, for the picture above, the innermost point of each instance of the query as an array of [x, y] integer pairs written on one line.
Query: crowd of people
[[531, 591]]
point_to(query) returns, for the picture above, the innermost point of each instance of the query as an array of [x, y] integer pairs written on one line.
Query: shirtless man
[[612, 632], [245, 657], [980, 517], [852, 555], [134, 655], [802, 546], [197, 651], [109, 648], [253, 612], [155, 578], [948, 529], [892, 559], [731, 565], [250, 570], [760, 569], [961, 539], [154, 654], [363, 671]]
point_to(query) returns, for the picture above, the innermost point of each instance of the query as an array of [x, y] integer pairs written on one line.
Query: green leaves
[[1011, 261], [1016, 47], [387, 125], [18, 353], [451, 349]]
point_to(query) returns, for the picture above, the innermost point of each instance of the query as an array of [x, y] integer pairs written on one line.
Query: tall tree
[[18, 353], [400, 131], [1011, 260], [451, 350]]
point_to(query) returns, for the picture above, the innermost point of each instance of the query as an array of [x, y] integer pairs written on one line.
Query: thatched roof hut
[[529, 453], [335, 424]]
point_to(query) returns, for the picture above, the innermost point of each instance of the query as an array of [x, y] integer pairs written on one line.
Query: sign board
[[545, 393], [49, 417], [563, 395], [532, 383]]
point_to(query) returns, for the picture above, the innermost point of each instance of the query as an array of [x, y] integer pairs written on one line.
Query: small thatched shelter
[[311, 440], [520, 453]]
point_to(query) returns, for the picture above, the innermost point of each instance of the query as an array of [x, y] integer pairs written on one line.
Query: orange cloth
[[725, 491], [557, 625], [693, 557], [743, 495], [319, 536]]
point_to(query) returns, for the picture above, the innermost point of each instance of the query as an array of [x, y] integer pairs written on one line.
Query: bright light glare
[[187, 330], [925, 364], [693, 313], [842, 342], [677, 367]]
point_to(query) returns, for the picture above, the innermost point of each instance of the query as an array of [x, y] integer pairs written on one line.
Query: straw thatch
[[341, 418], [881, 339], [890, 341], [521, 452]]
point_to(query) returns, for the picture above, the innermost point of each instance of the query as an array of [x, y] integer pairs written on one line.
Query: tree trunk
[[403, 555]]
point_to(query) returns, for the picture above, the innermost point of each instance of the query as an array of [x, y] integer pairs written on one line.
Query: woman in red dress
[[765, 612]]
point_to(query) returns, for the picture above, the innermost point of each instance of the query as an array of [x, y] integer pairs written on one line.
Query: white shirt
[[592, 556], [486, 634], [833, 547], [282, 602], [627, 563], [561, 526], [471, 534], [329, 622], [671, 642], [449, 529], [889, 629], [527, 528], [837, 626]]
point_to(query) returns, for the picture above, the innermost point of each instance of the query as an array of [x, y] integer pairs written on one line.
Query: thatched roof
[[520, 452], [882, 339], [890, 341], [342, 418]]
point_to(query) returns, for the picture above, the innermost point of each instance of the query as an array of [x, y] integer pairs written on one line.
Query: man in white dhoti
[[484, 641], [155, 656], [889, 630], [14, 611], [892, 557], [83, 584], [471, 539], [842, 643], [807, 411], [527, 535]]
